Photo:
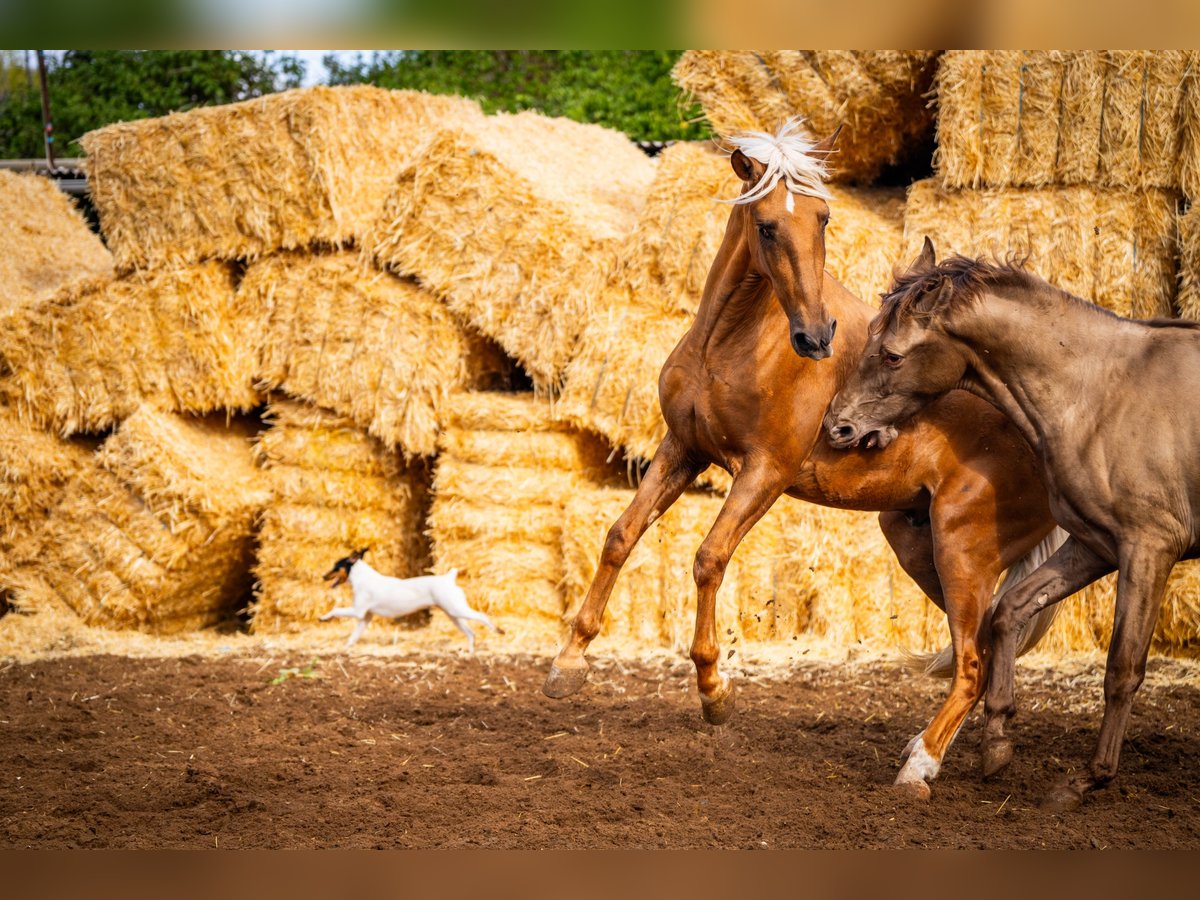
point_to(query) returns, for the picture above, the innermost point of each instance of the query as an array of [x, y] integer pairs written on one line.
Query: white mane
[[787, 154]]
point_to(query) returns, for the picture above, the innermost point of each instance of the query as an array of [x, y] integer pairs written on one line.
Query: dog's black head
[[341, 569]]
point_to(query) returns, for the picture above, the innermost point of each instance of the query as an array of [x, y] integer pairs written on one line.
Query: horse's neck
[[1039, 354]]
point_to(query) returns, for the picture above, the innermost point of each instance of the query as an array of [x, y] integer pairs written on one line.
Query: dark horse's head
[[908, 363], [783, 213]]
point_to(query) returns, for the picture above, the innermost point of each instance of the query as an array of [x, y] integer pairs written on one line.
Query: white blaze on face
[[790, 202]]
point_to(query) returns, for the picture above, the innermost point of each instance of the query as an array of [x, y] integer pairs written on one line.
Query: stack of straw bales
[[506, 470], [288, 170], [1073, 160], [1115, 248], [650, 298], [157, 533], [514, 219], [45, 243], [1113, 119], [334, 489], [86, 357], [364, 343], [876, 94]]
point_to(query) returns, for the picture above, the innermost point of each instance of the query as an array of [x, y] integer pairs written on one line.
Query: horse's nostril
[[844, 431], [832, 329]]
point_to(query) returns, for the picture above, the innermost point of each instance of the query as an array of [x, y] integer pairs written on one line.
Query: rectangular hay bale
[[1113, 248], [514, 220], [288, 170]]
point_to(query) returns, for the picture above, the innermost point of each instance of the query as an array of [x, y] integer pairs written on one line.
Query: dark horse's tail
[[941, 663]]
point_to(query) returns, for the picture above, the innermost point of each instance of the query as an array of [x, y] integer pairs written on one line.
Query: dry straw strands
[[1188, 301], [650, 298], [514, 220], [45, 243], [334, 489], [1103, 118], [279, 172], [506, 470], [158, 536], [876, 94], [88, 356], [364, 343], [1115, 248]]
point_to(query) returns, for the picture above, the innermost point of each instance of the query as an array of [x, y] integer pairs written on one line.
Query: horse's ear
[[928, 258], [824, 147], [747, 169], [935, 297]]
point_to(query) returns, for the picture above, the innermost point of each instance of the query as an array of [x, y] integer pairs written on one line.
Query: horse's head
[[908, 361], [783, 213]]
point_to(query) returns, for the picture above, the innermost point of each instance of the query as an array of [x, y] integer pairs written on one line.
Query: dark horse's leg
[[1072, 567], [669, 473], [753, 492], [1140, 586]]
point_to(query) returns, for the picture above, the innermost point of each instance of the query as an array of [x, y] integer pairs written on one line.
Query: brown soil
[[447, 751]]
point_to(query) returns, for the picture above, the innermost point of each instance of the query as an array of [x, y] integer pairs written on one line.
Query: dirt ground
[[450, 751]]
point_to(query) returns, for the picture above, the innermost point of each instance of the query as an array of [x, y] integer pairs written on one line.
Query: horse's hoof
[[997, 754], [912, 789], [563, 682], [1062, 799], [719, 707]]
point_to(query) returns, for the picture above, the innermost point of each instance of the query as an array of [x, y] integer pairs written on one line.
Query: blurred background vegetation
[[629, 90]]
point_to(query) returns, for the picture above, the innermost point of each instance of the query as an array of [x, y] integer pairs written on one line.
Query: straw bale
[[1121, 119], [88, 356], [652, 294], [361, 342], [334, 489], [284, 171], [1114, 248], [506, 470], [1188, 301], [514, 220], [876, 94], [157, 533], [34, 467], [46, 244]]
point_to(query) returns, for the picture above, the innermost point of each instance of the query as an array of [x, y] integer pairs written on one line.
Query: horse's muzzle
[[817, 344]]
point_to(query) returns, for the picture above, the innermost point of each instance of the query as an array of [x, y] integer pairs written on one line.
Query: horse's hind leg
[[1140, 586], [751, 496], [1071, 567], [670, 472]]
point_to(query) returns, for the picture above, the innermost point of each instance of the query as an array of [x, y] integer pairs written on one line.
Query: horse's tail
[[941, 663]]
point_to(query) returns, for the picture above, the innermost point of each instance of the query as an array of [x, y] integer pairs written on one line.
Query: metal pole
[[46, 121]]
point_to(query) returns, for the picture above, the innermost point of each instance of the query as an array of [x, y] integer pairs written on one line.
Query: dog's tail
[[452, 575], [941, 664]]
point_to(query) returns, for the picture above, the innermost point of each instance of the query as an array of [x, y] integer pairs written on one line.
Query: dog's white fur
[[383, 595]]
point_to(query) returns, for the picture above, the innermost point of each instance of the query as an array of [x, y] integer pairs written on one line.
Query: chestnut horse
[[746, 388], [1109, 405]]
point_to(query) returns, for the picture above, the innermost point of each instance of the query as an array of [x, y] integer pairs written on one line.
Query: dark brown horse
[[746, 389], [1108, 404]]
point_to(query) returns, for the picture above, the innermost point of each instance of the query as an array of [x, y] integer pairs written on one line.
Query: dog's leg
[[465, 628], [482, 619], [342, 612], [358, 630]]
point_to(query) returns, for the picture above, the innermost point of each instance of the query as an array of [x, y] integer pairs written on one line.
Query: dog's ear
[[363, 552]]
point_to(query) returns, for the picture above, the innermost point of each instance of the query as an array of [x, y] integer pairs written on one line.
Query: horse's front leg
[[671, 470], [753, 492]]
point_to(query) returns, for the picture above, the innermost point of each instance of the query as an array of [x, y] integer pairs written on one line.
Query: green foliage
[[309, 671], [629, 90], [91, 88]]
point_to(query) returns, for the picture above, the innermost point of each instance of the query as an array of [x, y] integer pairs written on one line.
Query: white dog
[[382, 595]]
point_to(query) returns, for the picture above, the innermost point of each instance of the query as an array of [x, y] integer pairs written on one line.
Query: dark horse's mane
[[968, 277]]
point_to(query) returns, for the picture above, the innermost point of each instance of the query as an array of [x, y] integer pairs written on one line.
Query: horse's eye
[[766, 232], [891, 359]]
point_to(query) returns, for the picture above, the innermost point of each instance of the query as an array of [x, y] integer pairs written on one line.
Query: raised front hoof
[[717, 708], [1063, 798], [912, 789], [564, 682], [997, 754]]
